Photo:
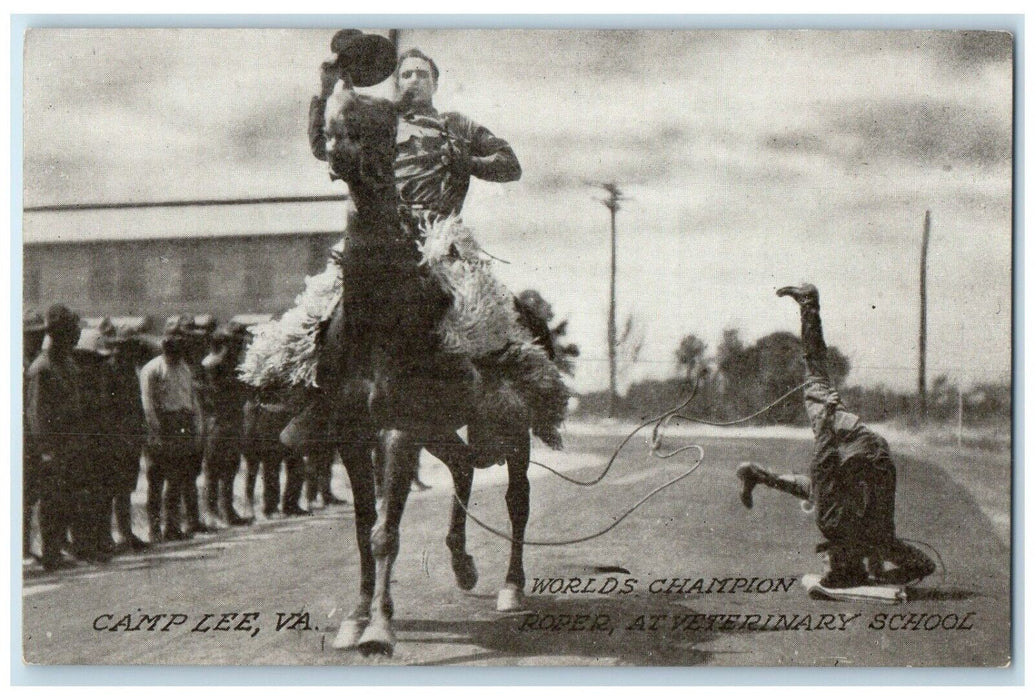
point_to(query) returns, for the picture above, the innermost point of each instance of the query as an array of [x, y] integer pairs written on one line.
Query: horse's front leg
[[510, 598], [355, 455], [456, 455], [400, 453]]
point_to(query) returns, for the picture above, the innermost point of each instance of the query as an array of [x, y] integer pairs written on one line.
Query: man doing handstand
[[851, 480]]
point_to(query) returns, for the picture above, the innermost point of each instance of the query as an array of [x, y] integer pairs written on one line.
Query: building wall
[[222, 276]]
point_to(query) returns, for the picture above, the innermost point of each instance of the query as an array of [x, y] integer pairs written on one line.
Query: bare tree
[[629, 345]]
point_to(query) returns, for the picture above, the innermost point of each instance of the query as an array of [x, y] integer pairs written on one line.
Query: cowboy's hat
[[366, 58]]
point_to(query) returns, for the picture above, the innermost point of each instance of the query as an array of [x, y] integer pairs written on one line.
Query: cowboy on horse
[[408, 322], [438, 153], [436, 156]]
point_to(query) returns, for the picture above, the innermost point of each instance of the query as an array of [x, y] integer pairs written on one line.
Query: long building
[[224, 260]]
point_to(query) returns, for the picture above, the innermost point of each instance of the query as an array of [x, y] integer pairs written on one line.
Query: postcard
[[517, 347]]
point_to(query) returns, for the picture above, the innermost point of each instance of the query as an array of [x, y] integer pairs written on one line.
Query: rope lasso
[[674, 413], [806, 505], [586, 538], [937, 555], [598, 479], [657, 421]]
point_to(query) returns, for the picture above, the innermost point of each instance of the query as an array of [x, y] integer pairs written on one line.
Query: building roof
[[173, 222]]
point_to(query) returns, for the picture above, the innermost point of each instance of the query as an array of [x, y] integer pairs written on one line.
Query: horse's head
[[360, 137]]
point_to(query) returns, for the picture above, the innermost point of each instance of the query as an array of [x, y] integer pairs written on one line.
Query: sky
[[751, 160]]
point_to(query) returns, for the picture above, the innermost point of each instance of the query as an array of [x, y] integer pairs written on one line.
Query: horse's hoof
[[377, 638], [349, 633], [510, 599], [465, 572]]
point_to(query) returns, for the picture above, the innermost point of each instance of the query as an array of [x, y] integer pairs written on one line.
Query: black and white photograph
[[667, 347]]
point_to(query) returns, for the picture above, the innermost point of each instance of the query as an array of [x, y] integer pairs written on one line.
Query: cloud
[[644, 153], [267, 132], [943, 133], [929, 132], [965, 49]]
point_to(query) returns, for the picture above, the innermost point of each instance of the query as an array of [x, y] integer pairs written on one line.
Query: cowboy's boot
[[805, 293], [752, 474]]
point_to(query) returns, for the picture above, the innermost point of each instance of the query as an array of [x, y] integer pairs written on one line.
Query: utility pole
[[921, 380], [614, 196], [959, 416]]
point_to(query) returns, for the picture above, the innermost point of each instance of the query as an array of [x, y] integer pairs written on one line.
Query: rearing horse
[[380, 342]]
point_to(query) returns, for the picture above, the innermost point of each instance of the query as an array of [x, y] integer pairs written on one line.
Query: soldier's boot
[[293, 486], [751, 474], [154, 519], [329, 499], [212, 496], [911, 565], [804, 293], [311, 488], [847, 569], [251, 478], [124, 519], [226, 504]]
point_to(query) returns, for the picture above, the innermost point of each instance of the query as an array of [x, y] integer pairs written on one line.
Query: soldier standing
[[54, 411], [127, 354], [319, 462], [225, 396], [92, 478], [33, 331], [195, 346], [173, 414]]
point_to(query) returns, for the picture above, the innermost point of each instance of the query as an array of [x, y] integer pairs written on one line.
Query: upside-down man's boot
[[804, 293]]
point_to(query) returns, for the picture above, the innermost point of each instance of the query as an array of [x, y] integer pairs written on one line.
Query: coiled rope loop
[[658, 422]]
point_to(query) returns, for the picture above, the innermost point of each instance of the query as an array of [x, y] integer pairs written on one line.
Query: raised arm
[[317, 107]]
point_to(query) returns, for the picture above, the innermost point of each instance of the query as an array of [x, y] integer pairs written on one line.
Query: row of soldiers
[[97, 400]]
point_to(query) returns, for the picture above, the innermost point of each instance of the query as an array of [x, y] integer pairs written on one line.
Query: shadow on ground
[[534, 634]]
